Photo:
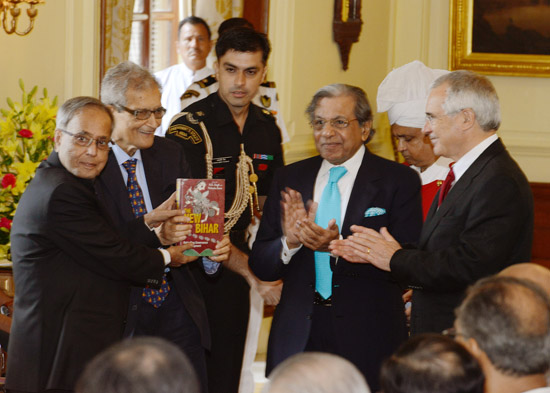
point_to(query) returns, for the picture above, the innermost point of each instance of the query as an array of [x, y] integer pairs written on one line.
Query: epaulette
[[269, 84], [189, 94], [269, 114], [208, 81]]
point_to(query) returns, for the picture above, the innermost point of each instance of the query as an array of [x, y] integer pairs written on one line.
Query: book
[[203, 201]]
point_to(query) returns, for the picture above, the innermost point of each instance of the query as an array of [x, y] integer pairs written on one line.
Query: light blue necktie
[[329, 208]]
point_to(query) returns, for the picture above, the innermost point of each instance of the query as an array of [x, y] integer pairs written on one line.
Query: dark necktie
[[329, 208], [152, 296], [446, 186]]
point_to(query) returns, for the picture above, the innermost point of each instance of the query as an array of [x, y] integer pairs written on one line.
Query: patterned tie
[[152, 296], [446, 186], [329, 208]]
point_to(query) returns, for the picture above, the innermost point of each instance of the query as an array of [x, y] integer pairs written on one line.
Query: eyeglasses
[[144, 114], [340, 124], [85, 141]]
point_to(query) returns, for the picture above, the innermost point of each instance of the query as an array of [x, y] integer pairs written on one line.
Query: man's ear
[[265, 73], [216, 66], [366, 130], [468, 118], [56, 139]]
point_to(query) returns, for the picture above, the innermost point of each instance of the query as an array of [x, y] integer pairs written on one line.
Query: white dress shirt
[[462, 165], [121, 157], [174, 81], [345, 186]]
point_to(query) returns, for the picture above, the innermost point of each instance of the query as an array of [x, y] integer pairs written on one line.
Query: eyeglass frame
[[90, 140], [149, 111], [332, 123]]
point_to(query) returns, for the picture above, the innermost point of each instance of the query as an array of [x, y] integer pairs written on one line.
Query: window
[[154, 31]]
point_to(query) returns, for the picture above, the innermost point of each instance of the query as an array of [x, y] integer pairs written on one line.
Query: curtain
[[215, 12], [118, 29]]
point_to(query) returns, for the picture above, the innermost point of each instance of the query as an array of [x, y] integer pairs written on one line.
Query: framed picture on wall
[[500, 37]]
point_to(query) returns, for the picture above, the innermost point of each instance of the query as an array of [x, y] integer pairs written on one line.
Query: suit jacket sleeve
[[79, 227], [471, 242], [264, 258]]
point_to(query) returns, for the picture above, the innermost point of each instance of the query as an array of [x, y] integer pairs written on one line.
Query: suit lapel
[[115, 187], [153, 175], [456, 194], [363, 192], [308, 177]]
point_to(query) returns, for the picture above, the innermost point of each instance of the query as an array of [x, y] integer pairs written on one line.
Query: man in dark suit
[[133, 95], [328, 305], [483, 224], [72, 270]]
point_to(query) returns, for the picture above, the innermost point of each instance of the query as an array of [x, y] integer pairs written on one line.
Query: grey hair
[[315, 372], [73, 106], [363, 110], [467, 89], [124, 76], [510, 320]]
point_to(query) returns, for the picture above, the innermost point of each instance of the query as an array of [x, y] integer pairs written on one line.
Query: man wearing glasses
[[142, 161], [329, 305], [72, 270]]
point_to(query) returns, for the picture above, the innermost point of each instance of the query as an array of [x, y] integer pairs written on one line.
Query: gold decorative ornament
[[10, 12]]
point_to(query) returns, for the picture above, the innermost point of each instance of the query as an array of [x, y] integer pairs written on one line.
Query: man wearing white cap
[[403, 94]]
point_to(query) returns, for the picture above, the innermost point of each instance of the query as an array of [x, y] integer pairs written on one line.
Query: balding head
[[530, 271], [315, 372], [509, 319]]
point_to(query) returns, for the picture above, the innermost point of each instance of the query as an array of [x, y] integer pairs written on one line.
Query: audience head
[[403, 95], [241, 67], [233, 23], [505, 323], [341, 118], [461, 111], [140, 365], [82, 136], [431, 363], [540, 275], [194, 42], [133, 95], [315, 372]]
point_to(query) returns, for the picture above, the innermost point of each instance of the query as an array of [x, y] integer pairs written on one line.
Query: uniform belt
[[320, 301]]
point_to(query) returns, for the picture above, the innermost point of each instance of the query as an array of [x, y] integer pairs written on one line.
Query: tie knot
[[336, 173], [130, 165]]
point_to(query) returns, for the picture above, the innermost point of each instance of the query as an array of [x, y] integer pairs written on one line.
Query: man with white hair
[[403, 94], [480, 222], [316, 372]]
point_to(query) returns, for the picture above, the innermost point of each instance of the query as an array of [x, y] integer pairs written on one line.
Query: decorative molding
[[527, 143]]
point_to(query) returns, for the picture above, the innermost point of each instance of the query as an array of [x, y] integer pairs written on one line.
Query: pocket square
[[374, 211]]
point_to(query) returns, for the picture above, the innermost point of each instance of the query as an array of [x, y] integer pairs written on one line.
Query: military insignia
[[191, 119], [185, 132], [189, 94], [439, 183], [267, 157], [269, 84], [266, 101], [209, 80]]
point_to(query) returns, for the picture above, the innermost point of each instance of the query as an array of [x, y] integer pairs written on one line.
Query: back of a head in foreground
[[539, 274], [140, 365], [431, 363], [316, 372]]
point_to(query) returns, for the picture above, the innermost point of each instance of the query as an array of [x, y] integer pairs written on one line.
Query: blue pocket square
[[374, 211]]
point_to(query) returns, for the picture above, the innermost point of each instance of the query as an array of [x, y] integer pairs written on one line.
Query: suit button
[[134, 307]]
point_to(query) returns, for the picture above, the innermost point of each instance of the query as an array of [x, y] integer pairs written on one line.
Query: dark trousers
[[172, 322]]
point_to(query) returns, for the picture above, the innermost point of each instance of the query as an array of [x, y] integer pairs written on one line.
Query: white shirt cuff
[[286, 253], [166, 256]]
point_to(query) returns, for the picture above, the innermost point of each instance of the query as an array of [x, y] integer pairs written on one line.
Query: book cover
[[203, 201]]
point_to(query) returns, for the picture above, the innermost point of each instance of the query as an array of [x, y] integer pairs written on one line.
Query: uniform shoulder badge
[[184, 131], [268, 114], [208, 81], [189, 94]]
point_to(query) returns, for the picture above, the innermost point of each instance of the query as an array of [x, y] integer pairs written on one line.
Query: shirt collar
[[121, 156], [351, 164], [462, 165]]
